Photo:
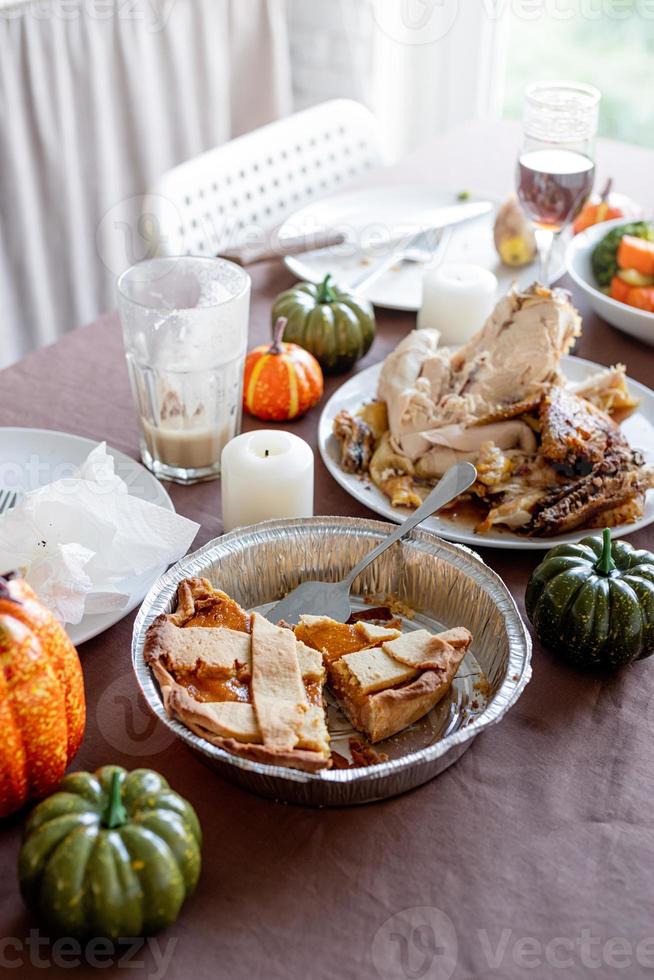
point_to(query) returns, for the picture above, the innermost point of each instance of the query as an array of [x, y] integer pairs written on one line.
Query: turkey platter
[[550, 454]]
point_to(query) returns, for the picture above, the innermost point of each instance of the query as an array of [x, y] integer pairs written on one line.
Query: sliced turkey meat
[[437, 371], [357, 442], [408, 399], [618, 478], [456, 443], [509, 363], [515, 511], [516, 354], [607, 389], [573, 432]]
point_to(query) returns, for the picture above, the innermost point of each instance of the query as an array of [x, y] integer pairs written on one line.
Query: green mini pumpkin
[[110, 854], [593, 602], [337, 327]]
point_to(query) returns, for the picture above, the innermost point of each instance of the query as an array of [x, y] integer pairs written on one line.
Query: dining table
[[531, 856]]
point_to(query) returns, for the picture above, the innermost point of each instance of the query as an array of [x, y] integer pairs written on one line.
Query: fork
[[422, 247], [8, 500], [332, 599]]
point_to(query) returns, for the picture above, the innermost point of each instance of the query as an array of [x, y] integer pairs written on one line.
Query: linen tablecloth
[[533, 856]]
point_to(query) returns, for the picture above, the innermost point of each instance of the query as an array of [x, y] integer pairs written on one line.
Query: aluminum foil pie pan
[[446, 584]]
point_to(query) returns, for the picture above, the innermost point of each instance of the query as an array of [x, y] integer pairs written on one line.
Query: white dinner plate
[[30, 458], [371, 217], [638, 428]]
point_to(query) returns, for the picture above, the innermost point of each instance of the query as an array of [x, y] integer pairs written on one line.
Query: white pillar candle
[[266, 473], [456, 299]]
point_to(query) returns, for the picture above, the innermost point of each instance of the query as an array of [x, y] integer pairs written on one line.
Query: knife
[[279, 248]]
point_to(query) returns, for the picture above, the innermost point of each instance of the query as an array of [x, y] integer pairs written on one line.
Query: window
[[608, 43]]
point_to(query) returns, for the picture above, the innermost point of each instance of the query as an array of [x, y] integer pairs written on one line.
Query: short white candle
[[266, 473], [456, 300]]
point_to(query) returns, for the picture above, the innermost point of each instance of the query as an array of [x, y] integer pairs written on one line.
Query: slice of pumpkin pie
[[257, 694], [385, 680], [256, 690]]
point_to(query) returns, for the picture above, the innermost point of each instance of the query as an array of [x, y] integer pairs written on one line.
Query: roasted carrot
[[619, 289], [636, 253], [642, 297]]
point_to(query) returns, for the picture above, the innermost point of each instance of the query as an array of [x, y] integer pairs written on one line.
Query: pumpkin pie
[[256, 690], [385, 680], [250, 687]]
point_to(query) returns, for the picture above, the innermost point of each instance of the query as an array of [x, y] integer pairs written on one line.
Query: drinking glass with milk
[[185, 327]]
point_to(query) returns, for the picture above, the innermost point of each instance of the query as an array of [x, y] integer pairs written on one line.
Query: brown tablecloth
[[533, 856]]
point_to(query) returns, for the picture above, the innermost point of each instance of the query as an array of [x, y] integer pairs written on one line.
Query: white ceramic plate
[[30, 458], [639, 430], [372, 217], [638, 323]]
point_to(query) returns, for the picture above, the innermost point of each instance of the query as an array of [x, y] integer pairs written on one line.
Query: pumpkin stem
[[278, 332], [326, 292], [605, 565], [115, 815]]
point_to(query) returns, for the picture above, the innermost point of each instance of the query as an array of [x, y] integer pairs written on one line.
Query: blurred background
[[99, 99]]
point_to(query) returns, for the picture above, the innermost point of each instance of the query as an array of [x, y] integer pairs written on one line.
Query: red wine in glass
[[555, 166], [553, 185]]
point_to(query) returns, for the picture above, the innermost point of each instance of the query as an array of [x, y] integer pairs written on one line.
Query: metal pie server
[[333, 598]]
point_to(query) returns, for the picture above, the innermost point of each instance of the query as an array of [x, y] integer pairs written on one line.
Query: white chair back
[[241, 190]]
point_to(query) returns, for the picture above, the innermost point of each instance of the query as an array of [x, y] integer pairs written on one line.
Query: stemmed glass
[[556, 166]]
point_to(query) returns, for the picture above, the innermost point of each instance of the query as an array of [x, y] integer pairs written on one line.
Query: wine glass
[[556, 166]]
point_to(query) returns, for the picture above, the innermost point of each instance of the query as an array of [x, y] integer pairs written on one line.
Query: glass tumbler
[[185, 329]]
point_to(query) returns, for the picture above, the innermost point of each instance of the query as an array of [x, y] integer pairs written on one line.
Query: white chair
[[243, 189]]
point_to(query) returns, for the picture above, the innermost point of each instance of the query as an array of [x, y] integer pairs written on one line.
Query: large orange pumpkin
[[282, 380], [42, 707]]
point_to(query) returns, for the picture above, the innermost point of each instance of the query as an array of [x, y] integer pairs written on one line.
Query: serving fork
[[425, 246], [332, 599]]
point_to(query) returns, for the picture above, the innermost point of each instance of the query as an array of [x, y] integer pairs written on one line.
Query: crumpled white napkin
[[77, 540]]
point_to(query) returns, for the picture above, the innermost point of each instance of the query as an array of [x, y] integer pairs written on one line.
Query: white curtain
[[97, 99], [436, 63], [422, 66]]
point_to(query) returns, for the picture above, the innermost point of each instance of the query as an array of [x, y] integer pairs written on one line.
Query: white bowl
[[638, 323]]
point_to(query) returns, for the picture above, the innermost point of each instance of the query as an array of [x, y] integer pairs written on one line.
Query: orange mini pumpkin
[[281, 381], [42, 707], [598, 210]]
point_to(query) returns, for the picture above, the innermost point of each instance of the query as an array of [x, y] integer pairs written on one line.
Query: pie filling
[[203, 684], [257, 689], [333, 638], [199, 604]]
